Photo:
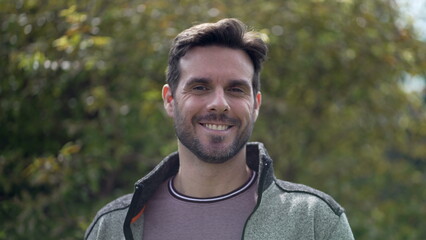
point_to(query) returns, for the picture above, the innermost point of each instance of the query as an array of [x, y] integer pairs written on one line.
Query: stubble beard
[[210, 154]]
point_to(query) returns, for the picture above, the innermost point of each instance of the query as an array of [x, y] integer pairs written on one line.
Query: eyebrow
[[232, 83], [193, 81], [239, 82]]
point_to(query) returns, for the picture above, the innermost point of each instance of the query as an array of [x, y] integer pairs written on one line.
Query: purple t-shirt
[[171, 215]]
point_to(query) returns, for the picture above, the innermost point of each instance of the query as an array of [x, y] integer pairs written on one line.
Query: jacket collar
[[257, 159]]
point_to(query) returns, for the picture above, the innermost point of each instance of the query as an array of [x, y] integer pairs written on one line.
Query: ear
[[257, 103], [168, 100]]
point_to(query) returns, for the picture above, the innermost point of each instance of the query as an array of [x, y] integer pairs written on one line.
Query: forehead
[[216, 63]]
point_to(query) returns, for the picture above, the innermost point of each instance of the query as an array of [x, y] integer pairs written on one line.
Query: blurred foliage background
[[81, 115]]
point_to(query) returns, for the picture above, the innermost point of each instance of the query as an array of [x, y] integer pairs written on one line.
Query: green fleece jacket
[[284, 210]]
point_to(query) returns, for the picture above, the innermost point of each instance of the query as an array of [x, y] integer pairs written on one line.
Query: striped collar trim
[[239, 190]]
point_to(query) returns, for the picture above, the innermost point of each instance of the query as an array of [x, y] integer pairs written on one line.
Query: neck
[[199, 179]]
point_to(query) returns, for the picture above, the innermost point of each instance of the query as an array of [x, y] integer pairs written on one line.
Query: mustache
[[223, 118]]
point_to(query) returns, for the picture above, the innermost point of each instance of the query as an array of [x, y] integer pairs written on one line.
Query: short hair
[[229, 32]]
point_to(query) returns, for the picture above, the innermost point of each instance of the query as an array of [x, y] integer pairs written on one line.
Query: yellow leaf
[[62, 43], [69, 149], [68, 11], [100, 41]]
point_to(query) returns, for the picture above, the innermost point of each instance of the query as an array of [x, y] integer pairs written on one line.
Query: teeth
[[217, 127]]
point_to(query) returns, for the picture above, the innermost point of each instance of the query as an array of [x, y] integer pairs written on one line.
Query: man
[[218, 186]]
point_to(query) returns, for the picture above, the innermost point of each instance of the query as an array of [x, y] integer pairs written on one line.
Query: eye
[[199, 88], [236, 90]]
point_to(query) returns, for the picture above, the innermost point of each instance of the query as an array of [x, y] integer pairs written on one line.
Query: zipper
[[127, 230], [259, 197]]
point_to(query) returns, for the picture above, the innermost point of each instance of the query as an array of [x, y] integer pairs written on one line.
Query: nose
[[218, 102]]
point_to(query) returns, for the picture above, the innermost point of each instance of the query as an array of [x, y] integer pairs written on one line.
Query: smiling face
[[214, 108]]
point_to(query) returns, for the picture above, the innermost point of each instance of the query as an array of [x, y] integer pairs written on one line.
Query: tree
[[81, 115]]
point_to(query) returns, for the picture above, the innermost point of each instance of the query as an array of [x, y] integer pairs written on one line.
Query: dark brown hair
[[228, 32]]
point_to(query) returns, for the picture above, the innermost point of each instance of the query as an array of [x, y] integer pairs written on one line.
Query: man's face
[[214, 108]]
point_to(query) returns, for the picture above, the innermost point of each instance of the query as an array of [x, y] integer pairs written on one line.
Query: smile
[[218, 127]]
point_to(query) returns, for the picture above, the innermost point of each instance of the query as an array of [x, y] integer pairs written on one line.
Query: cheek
[[187, 110], [245, 111]]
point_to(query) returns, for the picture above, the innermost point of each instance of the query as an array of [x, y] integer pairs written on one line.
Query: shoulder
[[112, 213], [309, 194], [295, 211], [118, 204]]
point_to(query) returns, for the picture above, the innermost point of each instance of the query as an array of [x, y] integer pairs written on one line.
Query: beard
[[209, 152]]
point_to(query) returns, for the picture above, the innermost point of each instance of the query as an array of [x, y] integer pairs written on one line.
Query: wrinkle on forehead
[[214, 60]]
